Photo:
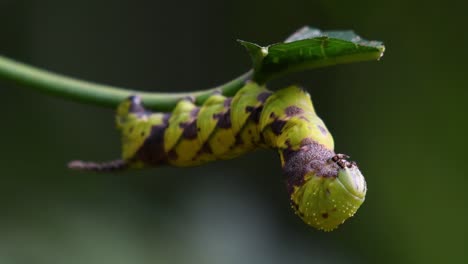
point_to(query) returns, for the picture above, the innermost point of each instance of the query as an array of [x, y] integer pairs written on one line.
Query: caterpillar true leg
[[324, 188]]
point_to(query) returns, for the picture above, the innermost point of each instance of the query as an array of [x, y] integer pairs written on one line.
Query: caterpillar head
[[325, 189]]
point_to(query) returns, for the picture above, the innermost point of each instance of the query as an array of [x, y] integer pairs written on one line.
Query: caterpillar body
[[324, 188]]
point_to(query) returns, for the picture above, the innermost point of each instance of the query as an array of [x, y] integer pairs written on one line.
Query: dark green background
[[404, 119]]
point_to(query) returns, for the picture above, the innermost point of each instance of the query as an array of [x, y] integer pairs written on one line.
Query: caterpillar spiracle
[[324, 188]]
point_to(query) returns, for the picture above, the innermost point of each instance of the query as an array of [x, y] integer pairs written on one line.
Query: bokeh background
[[404, 119]]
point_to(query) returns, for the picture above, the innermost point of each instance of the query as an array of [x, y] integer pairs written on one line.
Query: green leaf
[[307, 48], [310, 48]]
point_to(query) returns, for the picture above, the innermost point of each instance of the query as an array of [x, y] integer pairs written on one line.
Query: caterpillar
[[324, 188]]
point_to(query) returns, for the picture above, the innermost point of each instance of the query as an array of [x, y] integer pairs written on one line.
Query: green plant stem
[[99, 94]]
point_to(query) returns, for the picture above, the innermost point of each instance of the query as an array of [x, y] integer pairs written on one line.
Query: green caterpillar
[[324, 188]]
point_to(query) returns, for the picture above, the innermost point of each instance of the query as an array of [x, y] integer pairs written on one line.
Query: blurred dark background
[[404, 119]]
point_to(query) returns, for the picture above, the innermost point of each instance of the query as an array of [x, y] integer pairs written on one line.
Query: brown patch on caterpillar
[[262, 97], [135, 105], [190, 129], [262, 137], [227, 102], [322, 130], [306, 141], [152, 151], [194, 112], [166, 118], [277, 126], [313, 157], [172, 155], [341, 160], [224, 119], [272, 115], [293, 111], [255, 113], [206, 149], [239, 140], [325, 215]]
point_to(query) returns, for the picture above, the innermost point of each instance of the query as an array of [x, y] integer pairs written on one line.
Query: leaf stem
[[99, 94]]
